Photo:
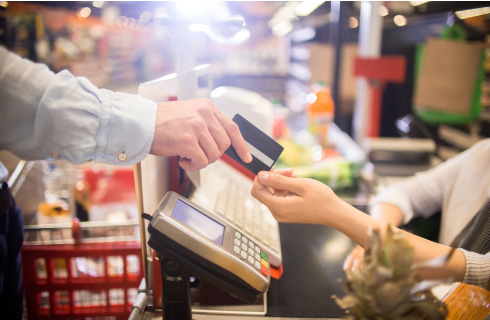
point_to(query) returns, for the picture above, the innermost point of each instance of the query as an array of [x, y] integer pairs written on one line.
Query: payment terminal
[[209, 248]]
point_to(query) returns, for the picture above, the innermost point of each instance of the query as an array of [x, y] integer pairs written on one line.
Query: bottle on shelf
[[320, 110]]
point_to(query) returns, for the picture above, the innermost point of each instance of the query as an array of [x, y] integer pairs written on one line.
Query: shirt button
[[55, 155], [122, 157]]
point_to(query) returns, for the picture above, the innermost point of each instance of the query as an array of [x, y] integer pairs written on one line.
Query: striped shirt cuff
[[477, 268]]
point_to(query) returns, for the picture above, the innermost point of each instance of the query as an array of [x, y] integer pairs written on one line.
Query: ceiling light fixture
[[470, 13], [417, 3], [353, 22], [400, 20], [282, 28], [383, 11], [307, 6], [98, 4], [85, 12]]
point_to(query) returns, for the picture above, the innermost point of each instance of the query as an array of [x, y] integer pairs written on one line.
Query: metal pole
[[370, 34]]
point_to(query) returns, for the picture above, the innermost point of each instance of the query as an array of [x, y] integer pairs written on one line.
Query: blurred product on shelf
[[112, 195], [309, 160], [54, 209], [320, 111], [109, 54], [81, 193], [50, 212]]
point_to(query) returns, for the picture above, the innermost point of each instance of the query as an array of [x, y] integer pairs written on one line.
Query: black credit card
[[265, 151]]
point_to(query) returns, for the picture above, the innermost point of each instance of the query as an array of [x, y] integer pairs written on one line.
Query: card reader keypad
[[249, 251]]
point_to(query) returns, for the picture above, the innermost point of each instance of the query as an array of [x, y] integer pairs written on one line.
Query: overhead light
[[199, 27], [145, 16], [98, 4], [400, 20], [383, 11], [300, 53], [465, 14], [85, 12], [417, 3], [307, 6], [285, 12], [4, 4], [282, 21], [304, 34], [282, 28], [353, 22], [193, 7], [238, 37], [161, 13]]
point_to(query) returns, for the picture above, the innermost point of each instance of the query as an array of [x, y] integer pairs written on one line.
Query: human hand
[[197, 131], [354, 259], [287, 172], [295, 200]]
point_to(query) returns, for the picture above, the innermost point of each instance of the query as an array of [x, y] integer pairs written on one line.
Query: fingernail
[[249, 157], [263, 176]]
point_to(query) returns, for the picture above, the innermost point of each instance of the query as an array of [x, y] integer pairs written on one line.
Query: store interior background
[[118, 45]]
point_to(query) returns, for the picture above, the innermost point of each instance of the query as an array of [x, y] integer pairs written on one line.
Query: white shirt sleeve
[[424, 194], [58, 116]]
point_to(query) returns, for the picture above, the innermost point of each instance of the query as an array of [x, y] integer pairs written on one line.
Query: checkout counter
[[313, 257]]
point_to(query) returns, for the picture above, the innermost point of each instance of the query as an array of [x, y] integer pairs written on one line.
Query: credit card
[[265, 150]]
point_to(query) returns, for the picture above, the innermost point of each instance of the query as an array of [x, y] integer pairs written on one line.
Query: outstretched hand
[[300, 200], [197, 131], [294, 200], [354, 259]]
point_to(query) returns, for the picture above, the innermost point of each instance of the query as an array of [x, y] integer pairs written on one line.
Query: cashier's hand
[[197, 131], [295, 200], [354, 259]]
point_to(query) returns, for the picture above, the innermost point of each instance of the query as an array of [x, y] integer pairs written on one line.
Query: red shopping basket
[[81, 280]]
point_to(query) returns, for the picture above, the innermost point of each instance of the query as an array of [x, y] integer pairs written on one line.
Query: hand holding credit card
[[265, 151]]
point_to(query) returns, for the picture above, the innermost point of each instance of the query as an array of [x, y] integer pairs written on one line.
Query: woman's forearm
[[310, 201], [387, 212], [355, 224]]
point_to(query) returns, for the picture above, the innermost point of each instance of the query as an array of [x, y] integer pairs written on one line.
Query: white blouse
[[457, 188]]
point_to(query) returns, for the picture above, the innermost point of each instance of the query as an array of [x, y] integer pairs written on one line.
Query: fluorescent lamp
[[307, 6], [238, 38], [193, 8], [465, 14], [304, 34], [282, 28], [417, 3]]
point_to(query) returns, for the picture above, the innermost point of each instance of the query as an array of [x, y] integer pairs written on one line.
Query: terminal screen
[[199, 222]]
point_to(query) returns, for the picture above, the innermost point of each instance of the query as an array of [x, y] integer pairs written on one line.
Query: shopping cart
[[81, 270]]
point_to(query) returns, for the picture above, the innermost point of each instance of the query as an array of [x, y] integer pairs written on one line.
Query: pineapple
[[387, 286]]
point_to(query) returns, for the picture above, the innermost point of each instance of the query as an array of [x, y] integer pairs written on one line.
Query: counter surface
[[313, 258]]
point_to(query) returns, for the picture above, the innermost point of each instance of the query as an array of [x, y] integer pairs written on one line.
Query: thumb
[[280, 182], [188, 164]]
